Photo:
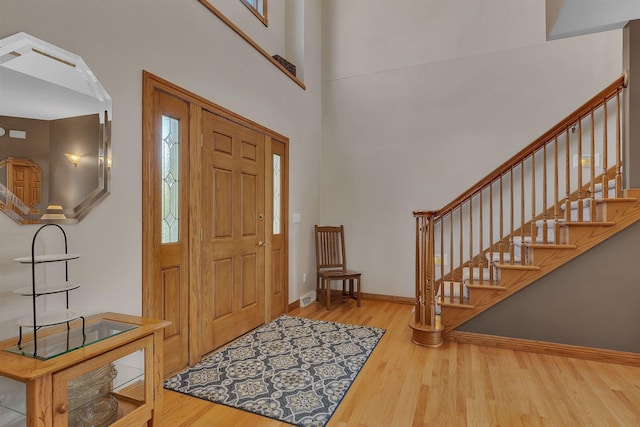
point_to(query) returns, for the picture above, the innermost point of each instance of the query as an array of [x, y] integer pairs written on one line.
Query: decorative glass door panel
[[170, 176], [104, 389], [277, 194]]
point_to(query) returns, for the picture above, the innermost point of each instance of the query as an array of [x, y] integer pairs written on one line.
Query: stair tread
[[550, 246], [488, 287], [458, 304], [518, 267], [617, 199], [591, 223]]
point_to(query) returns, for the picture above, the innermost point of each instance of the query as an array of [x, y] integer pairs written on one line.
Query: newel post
[[426, 328]]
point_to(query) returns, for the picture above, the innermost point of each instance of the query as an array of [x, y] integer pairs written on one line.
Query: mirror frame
[[24, 44]]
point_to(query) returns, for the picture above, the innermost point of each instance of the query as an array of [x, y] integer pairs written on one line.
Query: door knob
[[261, 243]]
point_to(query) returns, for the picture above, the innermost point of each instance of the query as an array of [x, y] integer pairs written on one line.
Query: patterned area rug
[[292, 369]]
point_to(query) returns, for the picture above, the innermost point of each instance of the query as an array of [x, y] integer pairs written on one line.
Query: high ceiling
[[569, 18]]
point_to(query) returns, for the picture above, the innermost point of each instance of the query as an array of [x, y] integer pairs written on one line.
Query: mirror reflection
[[55, 122]]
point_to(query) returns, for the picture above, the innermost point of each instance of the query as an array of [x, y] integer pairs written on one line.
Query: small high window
[[259, 8]]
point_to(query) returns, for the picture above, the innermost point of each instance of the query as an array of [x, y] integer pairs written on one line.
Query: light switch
[[297, 218]]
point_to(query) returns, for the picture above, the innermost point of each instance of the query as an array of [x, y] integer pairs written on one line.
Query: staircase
[[554, 200]]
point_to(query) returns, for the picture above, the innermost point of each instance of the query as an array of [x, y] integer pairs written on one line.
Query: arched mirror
[[55, 125]]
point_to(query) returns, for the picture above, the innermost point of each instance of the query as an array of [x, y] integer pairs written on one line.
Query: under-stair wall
[[590, 302]]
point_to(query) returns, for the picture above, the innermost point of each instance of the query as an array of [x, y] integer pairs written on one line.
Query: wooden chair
[[331, 265]]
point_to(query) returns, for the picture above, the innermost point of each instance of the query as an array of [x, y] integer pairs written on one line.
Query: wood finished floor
[[455, 385]]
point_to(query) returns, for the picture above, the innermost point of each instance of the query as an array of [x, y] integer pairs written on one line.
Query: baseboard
[[293, 305], [543, 347], [388, 298], [365, 296]]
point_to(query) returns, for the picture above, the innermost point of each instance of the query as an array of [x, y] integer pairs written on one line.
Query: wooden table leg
[[40, 402]]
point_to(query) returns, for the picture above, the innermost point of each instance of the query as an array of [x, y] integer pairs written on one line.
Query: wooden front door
[[215, 272], [233, 230], [24, 179]]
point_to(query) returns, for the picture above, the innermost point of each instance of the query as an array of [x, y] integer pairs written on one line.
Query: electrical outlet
[[304, 277]]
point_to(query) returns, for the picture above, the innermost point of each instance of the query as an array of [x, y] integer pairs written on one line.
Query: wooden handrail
[[574, 117], [249, 40]]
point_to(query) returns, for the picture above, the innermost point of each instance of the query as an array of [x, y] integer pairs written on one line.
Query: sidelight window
[[277, 194], [170, 179]]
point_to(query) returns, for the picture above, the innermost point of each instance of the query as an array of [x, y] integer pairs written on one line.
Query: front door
[[232, 233]]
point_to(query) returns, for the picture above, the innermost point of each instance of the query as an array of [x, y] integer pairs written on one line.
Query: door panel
[[222, 295], [249, 193], [232, 197], [171, 298], [222, 209]]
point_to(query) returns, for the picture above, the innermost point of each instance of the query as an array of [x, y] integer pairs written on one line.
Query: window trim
[[261, 16]]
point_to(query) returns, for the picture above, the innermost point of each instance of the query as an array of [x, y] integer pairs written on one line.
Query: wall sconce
[[73, 158]]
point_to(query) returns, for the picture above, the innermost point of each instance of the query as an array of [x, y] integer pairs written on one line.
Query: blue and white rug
[[292, 369]]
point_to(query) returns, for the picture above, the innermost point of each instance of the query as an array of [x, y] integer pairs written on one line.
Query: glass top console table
[[111, 377]]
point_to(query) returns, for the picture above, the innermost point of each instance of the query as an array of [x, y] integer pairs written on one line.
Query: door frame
[[152, 83]]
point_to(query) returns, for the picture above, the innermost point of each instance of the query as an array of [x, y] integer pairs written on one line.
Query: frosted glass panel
[[170, 179], [277, 188]]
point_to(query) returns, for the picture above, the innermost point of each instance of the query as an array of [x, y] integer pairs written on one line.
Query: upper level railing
[[525, 200]]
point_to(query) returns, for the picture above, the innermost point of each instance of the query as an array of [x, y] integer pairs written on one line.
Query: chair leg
[[358, 291], [328, 288], [317, 288]]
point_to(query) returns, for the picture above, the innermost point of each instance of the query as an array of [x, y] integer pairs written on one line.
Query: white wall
[[421, 99], [185, 44]]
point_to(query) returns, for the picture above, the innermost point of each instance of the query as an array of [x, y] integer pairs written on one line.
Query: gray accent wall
[[592, 301], [631, 100]]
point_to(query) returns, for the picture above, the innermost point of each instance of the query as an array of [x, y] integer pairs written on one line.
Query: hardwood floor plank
[[454, 385]]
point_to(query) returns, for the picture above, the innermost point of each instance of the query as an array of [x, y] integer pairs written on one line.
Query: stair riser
[[612, 211], [482, 297], [579, 234], [546, 257]]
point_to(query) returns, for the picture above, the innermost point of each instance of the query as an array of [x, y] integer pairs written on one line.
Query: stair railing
[[493, 222]]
